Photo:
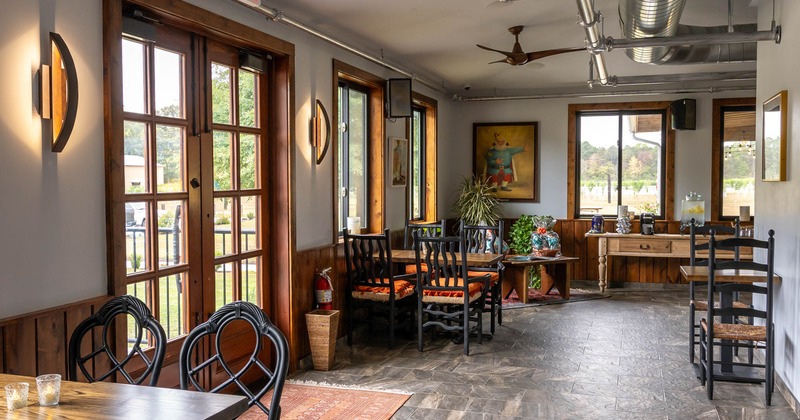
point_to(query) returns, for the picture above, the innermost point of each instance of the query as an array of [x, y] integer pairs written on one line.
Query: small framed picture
[[399, 155]]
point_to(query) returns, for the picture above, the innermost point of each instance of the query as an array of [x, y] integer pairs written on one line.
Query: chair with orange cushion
[[487, 239], [424, 229], [447, 298], [373, 284]]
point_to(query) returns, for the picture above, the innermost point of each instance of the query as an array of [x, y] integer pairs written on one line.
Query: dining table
[[108, 400], [699, 274], [477, 259]]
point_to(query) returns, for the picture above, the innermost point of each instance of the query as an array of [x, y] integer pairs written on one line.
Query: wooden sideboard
[[660, 245]]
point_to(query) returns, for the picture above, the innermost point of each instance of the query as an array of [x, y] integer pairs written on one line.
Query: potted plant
[[476, 203], [520, 234]]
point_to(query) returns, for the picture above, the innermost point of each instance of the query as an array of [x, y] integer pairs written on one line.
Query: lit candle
[[744, 213], [49, 388], [16, 396]]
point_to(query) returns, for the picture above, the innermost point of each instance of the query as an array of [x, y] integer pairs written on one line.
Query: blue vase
[[597, 224]]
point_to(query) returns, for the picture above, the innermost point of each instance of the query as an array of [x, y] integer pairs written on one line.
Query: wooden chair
[[373, 284], [195, 372], [727, 333], [148, 332], [698, 241], [487, 239], [423, 229], [447, 297]]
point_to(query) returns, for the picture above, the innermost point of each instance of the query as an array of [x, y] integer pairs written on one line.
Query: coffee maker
[[647, 223]]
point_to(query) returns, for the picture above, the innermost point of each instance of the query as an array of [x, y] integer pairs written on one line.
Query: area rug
[[535, 298], [306, 400]]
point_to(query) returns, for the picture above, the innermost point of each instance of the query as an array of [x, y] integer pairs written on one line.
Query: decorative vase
[[623, 225], [597, 224]]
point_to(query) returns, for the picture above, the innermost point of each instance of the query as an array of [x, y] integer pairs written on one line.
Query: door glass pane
[[170, 165], [641, 163], [168, 83], [140, 290], [221, 94], [247, 99], [136, 237], [133, 80], [172, 304], [357, 160], [223, 240], [223, 284], [598, 164], [248, 175], [135, 140], [171, 233], [251, 272], [249, 222], [739, 162], [223, 158]]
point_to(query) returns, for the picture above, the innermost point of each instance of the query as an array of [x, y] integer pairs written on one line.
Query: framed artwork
[[507, 155], [399, 165], [774, 138]]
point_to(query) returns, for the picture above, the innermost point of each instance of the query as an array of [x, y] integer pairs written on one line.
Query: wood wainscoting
[[37, 343]]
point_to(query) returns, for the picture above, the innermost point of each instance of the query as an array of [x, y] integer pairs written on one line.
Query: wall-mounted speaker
[[398, 99], [684, 115]]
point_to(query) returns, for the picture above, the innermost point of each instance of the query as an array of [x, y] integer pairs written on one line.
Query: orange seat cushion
[[475, 289], [412, 268], [402, 289], [494, 276]]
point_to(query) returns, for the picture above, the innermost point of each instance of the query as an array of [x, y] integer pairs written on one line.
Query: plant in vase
[[544, 241], [476, 204]]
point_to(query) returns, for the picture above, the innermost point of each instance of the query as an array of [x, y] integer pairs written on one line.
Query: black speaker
[[684, 115]]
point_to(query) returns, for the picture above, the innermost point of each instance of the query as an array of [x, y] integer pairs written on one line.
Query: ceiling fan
[[499, 3], [517, 57]]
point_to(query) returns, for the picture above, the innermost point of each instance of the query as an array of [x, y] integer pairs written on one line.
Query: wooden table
[[660, 245], [408, 256], [106, 400], [556, 272], [700, 274]]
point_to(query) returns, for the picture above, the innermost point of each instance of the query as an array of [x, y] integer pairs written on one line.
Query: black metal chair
[[148, 332], [725, 332], [373, 284], [698, 241], [447, 298], [211, 332], [423, 230], [487, 239]]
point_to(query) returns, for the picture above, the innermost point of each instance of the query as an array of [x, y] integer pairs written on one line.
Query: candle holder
[[49, 389], [16, 395]]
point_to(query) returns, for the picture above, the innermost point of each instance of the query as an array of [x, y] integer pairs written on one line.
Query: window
[[734, 150], [416, 192], [620, 156], [353, 147]]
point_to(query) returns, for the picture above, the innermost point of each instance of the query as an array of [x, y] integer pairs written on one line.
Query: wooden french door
[[195, 195]]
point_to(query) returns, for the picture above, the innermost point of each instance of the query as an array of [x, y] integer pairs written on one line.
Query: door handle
[[643, 246]]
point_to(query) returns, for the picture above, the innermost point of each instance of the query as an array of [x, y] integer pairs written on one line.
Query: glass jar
[[693, 207]]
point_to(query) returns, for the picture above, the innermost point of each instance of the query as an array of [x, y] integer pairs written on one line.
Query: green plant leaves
[[476, 203]]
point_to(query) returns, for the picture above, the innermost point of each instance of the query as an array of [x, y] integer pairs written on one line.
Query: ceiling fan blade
[[547, 53], [499, 3], [506, 60], [506, 53]]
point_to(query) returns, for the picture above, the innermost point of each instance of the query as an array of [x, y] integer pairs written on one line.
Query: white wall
[[778, 203], [52, 211], [692, 148]]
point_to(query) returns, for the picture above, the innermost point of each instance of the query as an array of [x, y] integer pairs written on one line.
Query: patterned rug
[[307, 400], [535, 298]]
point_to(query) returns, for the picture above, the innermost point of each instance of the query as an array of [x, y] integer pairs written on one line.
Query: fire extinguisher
[[323, 289]]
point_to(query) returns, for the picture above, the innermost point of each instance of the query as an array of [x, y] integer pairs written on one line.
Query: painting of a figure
[[399, 154], [505, 154]]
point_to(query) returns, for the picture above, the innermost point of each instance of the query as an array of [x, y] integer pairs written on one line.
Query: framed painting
[[507, 156], [773, 147], [399, 165]]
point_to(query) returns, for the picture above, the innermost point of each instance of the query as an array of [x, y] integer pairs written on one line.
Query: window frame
[[345, 108], [575, 110], [717, 154], [413, 198], [376, 156], [429, 181]]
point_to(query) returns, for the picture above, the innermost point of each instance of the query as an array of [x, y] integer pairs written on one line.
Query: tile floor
[[624, 357]]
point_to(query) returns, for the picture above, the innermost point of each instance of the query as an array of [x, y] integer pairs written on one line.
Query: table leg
[[516, 278], [555, 275], [602, 251]]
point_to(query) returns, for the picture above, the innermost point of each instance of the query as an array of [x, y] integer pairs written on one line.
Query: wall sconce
[[318, 131], [398, 100], [59, 92]]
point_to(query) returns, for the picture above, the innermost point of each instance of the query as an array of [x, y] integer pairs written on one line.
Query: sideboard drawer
[[647, 246]]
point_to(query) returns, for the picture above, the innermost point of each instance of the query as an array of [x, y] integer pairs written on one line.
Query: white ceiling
[[435, 39]]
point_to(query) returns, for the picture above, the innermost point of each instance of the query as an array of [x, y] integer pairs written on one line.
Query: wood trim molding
[[669, 171], [716, 149]]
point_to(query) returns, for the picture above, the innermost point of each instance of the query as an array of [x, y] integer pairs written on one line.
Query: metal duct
[[658, 18], [590, 21], [646, 19]]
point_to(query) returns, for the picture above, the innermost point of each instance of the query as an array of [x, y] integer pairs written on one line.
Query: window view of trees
[[621, 158], [417, 181], [351, 159]]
